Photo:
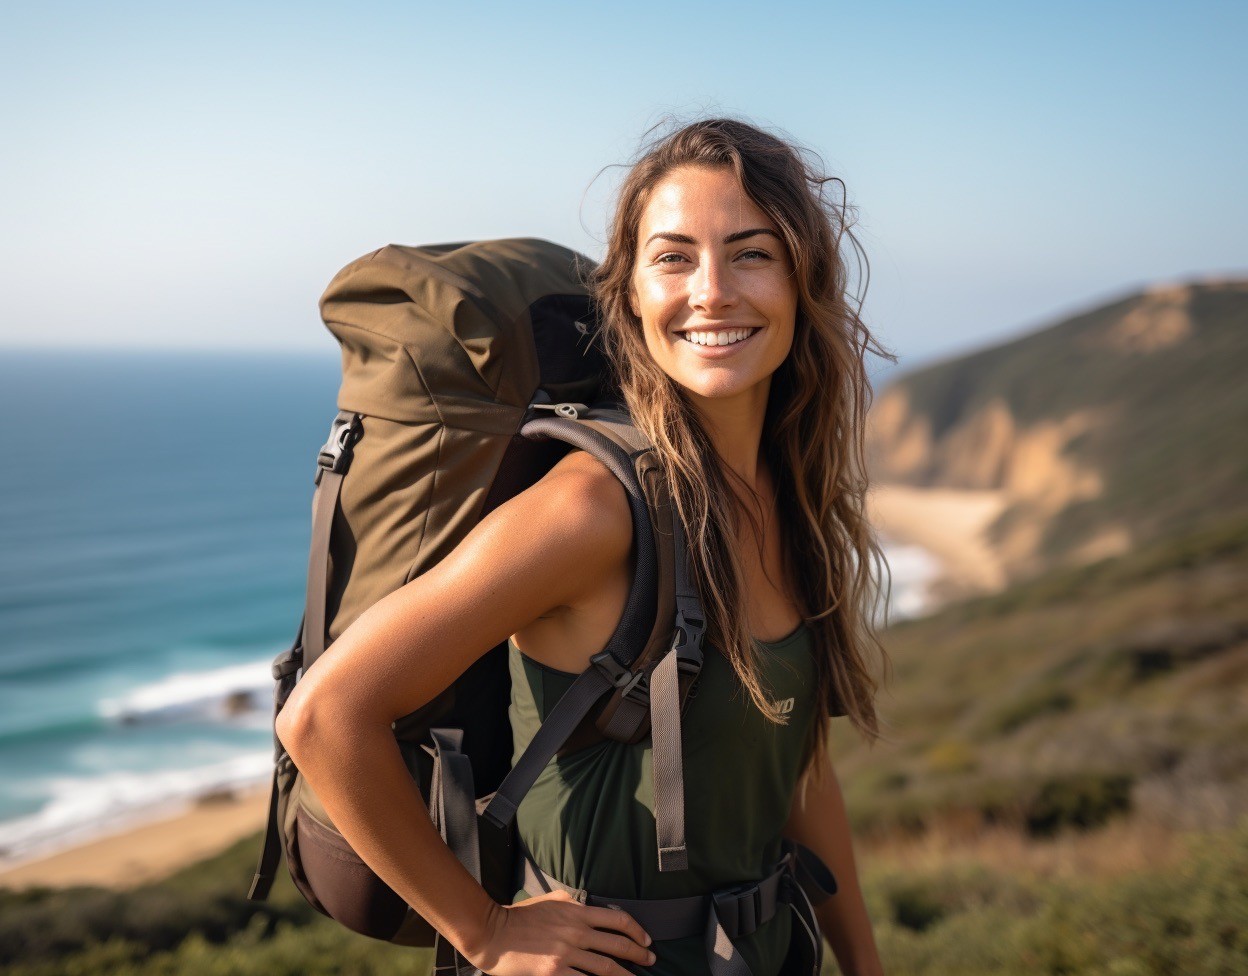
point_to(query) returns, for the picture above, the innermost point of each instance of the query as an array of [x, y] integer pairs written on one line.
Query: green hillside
[[1113, 689]]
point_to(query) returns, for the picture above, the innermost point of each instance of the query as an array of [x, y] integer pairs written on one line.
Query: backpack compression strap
[[332, 464]]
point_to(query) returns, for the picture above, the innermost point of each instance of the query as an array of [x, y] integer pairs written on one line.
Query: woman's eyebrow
[[730, 239]]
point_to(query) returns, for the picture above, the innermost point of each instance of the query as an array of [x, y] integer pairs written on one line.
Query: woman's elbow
[[300, 723]]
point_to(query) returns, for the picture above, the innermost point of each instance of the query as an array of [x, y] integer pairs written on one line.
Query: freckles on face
[[712, 284]]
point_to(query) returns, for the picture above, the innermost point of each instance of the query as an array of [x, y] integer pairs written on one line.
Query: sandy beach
[[150, 849], [948, 523]]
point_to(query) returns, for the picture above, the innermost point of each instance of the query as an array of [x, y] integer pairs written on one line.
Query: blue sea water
[[154, 523]]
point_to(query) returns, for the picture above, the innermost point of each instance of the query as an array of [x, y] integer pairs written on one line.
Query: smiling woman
[[738, 357]]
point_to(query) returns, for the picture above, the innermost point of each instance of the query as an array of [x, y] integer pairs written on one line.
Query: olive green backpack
[[468, 370]]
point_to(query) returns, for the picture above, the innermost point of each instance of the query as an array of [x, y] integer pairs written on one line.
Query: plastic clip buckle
[[689, 631], [335, 454], [619, 676]]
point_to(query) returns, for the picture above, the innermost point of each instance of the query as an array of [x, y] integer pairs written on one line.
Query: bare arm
[[821, 823], [538, 551]]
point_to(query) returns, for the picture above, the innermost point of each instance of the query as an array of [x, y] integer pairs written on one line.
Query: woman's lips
[[717, 352]]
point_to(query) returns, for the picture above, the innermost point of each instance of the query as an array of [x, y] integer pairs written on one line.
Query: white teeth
[[725, 338]]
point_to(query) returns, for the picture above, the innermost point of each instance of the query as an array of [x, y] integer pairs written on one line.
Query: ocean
[[154, 522]]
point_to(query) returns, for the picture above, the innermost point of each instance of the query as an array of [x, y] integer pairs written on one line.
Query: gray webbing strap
[[814, 877], [451, 797], [332, 463], [723, 956], [562, 721], [667, 765], [638, 617], [270, 852], [285, 666], [806, 931], [667, 756], [324, 503], [447, 960]]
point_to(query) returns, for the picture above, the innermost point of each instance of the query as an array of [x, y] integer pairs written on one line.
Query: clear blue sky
[[183, 177]]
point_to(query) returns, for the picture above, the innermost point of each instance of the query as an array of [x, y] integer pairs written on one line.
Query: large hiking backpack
[[468, 371]]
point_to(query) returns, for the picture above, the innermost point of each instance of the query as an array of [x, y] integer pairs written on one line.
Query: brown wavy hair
[[813, 430]]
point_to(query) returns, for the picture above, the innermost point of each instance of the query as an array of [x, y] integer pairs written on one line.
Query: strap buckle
[[619, 676], [336, 453], [572, 411], [688, 640]]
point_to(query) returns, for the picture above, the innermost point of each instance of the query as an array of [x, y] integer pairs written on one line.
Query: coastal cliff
[[1101, 432]]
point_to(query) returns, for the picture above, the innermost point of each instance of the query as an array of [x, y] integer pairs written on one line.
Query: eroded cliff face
[[988, 449], [982, 443]]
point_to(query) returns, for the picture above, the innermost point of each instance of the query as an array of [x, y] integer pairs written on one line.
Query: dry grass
[[1121, 847]]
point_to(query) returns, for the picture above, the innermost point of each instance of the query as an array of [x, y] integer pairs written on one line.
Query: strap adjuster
[[689, 631], [619, 676], [615, 673], [572, 411], [740, 910], [285, 666], [336, 453]]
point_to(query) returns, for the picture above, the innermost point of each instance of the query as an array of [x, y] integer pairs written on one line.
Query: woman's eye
[[669, 258], [755, 253]]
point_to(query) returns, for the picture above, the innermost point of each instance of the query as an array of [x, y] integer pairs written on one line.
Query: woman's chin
[[721, 388]]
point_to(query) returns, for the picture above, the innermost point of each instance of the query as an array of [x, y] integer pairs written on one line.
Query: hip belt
[[722, 917]]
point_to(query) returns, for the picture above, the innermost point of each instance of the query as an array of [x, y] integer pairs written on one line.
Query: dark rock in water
[[239, 703]]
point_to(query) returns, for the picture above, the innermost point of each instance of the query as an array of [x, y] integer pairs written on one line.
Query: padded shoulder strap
[[635, 658], [607, 435], [611, 668]]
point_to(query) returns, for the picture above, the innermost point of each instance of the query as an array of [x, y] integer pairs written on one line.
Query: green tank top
[[589, 819]]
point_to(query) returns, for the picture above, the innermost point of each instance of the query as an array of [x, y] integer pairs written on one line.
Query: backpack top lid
[[463, 334]]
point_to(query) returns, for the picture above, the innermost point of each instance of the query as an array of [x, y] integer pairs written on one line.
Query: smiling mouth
[[719, 337]]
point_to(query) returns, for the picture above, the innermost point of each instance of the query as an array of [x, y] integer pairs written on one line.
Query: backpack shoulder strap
[[648, 674]]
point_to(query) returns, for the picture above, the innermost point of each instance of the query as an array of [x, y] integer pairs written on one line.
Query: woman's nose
[[711, 287]]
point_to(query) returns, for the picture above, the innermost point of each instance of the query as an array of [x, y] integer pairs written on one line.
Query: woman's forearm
[[361, 779], [820, 822], [845, 924]]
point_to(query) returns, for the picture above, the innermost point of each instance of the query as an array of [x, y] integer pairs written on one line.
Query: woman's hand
[[550, 934]]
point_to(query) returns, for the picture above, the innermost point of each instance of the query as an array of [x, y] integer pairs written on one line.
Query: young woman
[[725, 316]]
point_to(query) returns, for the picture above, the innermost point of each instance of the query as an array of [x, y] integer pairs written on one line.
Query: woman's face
[[713, 285]]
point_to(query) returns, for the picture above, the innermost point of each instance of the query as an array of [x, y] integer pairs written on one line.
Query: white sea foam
[[217, 693], [913, 569], [80, 808]]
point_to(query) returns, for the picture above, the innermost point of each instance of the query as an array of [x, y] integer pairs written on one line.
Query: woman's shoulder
[[584, 488], [588, 501]]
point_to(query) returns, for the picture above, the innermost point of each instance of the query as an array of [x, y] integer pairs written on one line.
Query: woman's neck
[[735, 428]]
